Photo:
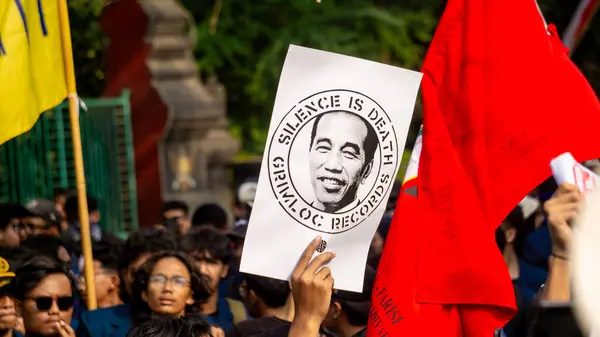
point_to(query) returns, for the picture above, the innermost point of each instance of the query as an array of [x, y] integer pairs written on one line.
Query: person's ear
[[115, 282], [144, 296], [366, 171], [252, 295], [190, 300], [337, 310], [224, 271], [510, 234]]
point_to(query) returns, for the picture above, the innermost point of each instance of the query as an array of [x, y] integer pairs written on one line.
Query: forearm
[[558, 283]]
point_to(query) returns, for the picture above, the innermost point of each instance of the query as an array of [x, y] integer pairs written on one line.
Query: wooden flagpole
[[84, 220]]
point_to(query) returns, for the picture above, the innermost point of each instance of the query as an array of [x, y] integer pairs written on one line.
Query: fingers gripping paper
[[566, 170], [337, 131]]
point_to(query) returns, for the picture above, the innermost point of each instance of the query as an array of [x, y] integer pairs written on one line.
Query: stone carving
[[179, 121], [196, 145]]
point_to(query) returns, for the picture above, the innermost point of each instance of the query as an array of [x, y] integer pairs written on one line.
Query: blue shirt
[[75, 231]]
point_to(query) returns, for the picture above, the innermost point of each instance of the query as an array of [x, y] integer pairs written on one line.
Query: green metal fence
[[35, 163]]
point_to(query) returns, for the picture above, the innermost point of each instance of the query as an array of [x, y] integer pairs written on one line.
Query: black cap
[[365, 296], [44, 209]]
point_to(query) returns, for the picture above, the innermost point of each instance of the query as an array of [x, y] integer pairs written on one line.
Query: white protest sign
[[334, 147], [566, 169]]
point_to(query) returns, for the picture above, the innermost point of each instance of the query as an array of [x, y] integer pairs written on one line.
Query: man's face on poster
[[337, 159]]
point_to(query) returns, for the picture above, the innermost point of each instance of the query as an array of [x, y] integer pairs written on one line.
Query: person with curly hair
[[186, 326], [168, 284], [116, 321]]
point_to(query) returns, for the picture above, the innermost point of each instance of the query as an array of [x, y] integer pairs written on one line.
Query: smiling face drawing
[[340, 158]]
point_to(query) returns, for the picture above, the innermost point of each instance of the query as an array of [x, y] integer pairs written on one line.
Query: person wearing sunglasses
[[44, 290]]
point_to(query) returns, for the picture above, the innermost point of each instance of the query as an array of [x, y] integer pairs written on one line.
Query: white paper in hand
[[335, 141], [566, 169]]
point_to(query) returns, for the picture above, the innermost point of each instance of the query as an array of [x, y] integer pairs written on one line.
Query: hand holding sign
[[334, 147], [566, 170], [562, 209], [312, 286]]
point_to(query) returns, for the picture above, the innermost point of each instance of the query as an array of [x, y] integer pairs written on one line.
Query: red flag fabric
[[500, 100]]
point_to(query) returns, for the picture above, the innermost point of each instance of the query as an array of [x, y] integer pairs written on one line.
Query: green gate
[[35, 163]]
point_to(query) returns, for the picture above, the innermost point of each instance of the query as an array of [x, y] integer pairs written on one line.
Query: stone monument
[[179, 122]]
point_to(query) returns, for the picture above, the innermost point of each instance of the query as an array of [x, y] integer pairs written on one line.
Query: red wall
[[125, 24]]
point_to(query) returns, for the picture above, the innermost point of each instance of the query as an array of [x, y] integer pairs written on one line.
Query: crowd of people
[[181, 277]]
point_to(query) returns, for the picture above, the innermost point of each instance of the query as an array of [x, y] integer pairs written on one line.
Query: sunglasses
[[45, 303]]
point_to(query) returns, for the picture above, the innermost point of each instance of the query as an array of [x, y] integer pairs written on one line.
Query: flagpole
[[86, 241]]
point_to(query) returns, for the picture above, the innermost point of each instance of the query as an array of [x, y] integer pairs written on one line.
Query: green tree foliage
[[244, 43], [88, 46]]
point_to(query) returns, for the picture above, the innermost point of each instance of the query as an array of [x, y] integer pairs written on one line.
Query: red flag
[[501, 99]]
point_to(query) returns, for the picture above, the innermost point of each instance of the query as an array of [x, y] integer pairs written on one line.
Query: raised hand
[[562, 209], [312, 286]]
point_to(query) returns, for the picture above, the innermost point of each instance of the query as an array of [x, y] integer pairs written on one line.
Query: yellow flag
[[32, 73]]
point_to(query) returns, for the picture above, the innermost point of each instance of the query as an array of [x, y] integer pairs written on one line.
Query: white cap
[[247, 192]]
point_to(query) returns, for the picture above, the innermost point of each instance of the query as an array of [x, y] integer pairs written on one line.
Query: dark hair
[[146, 240], [210, 214], [273, 292], [108, 253], [370, 143], [44, 244], [72, 206], [186, 326], [175, 205], [500, 239], [33, 271], [59, 192], [8, 212], [207, 239], [373, 258], [356, 306], [139, 286], [14, 257], [515, 218], [17, 255]]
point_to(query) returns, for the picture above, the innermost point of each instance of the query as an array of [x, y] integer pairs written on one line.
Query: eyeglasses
[[176, 281], [45, 303]]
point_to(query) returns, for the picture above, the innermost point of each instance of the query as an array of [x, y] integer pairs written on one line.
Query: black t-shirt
[[265, 326]]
